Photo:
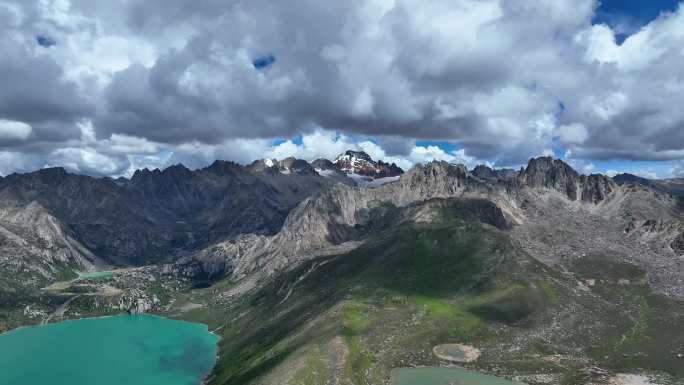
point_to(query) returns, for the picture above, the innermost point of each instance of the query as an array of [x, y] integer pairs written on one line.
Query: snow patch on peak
[[325, 173]]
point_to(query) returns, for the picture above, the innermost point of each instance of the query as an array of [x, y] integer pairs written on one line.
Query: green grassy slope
[[351, 318]]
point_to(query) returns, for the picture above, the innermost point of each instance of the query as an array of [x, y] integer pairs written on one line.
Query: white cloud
[[424, 154], [504, 80], [125, 144], [86, 161], [13, 130], [333, 52], [16, 161], [582, 166], [574, 133], [363, 104]]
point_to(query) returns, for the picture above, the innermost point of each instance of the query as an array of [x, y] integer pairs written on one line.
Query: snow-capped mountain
[[285, 166], [360, 163], [351, 168]]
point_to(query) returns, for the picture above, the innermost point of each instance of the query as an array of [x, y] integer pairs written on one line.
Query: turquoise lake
[[131, 350], [444, 376]]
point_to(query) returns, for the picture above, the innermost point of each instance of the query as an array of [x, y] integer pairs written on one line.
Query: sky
[[104, 88]]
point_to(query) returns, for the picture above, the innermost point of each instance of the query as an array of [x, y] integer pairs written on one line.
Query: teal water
[[444, 376], [130, 350], [96, 275]]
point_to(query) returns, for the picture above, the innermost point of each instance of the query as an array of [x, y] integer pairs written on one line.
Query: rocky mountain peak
[[546, 172], [50, 176], [292, 165], [223, 167], [438, 171], [264, 166], [178, 170], [287, 166], [323, 164], [490, 174], [145, 173], [52, 173], [484, 172], [350, 154], [360, 163]]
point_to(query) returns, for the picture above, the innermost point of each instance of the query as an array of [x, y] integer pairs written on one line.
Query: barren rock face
[[551, 173], [596, 187], [678, 244], [487, 173], [557, 175]]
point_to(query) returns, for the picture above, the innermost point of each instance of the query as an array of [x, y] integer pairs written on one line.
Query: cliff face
[[546, 172], [36, 247], [487, 173], [596, 187]]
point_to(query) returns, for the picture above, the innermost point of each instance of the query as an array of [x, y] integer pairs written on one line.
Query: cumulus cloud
[[13, 130], [163, 82], [574, 133]]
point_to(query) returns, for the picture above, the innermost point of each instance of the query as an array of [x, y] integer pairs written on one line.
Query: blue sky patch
[[263, 62], [628, 16], [45, 41], [444, 145]]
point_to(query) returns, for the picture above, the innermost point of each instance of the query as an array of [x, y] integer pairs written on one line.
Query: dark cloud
[[33, 90]]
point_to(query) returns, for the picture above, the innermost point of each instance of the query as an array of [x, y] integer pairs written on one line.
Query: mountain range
[[332, 260]]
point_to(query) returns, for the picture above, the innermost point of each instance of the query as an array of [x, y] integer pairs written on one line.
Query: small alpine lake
[[125, 349], [444, 376]]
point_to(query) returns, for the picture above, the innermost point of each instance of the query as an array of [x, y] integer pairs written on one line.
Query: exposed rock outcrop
[[136, 301], [596, 187], [553, 174], [677, 244], [487, 173], [546, 172]]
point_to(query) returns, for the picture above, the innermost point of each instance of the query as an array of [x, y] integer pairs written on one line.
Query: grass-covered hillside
[[352, 318]]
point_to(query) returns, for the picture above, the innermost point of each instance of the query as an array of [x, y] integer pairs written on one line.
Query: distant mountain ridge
[[160, 216], [674, 186]]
